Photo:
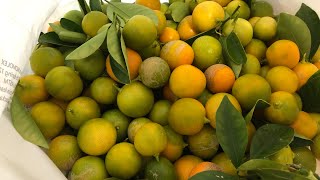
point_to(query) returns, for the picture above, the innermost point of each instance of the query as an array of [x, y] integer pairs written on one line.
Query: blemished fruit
[[64, 151], [160, 169], [88, 167], [154, 72]]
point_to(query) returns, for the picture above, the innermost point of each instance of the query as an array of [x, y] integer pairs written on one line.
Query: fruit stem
[[117, 88], [157, 157], [206, 120]]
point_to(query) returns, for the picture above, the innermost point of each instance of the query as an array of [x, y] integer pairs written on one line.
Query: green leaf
[[275, 174], [89, 47], [95, 5], [53, 38], [84, 6], [260, 104], [311, 18], [178, 10], [24, 123], [70, 25], [124, 53], [213, 175], [233, 52], [310, 94], [293, 28], [231, 131], [300, 141], [269, 139], [258, 164], [128, 10], [117, 60]]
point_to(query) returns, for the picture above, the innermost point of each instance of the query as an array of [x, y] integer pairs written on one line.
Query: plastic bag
[[22, 21]]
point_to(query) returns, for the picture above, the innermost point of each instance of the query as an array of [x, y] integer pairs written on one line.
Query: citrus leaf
[[117, 60], [269, 139], [70, 25], [84, 6], [311, 18], [24, 123], [213, 175], [179, 10], [260, 104], [255, 164], [231, 131], [310, 94], [233, 52], [95, 5], [275, 174], [295, 29], [124, 53], [53, 38], [128, 10], [300, 141], [89, 47], [114, 46]]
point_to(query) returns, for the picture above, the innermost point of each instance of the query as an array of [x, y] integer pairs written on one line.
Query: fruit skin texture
[[139, 26], [150, 139], [64, 151], [305, 125], [257, 48], [283, 156], [220, 78], [207, 50], [304, 71], [206, 15], [283, 108], [187, 81], [185, 164], [205, 143], [242, 28], [177, 53], [63, 83], [96, 136], [44, 59], [123, 161], [304, 156], [89, 168], [162, 169], [154, 72], [243, 12], [31, 89], [224, 162], [248, 88], [175, 145], [281, 78], [93, 21], [186, 29], [315, 147], [283, 53], [186, 116], [135, 99], [152, 4], [49, 117], [265, 28]]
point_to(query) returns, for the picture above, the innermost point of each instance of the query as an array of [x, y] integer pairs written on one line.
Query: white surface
[[22, 22]]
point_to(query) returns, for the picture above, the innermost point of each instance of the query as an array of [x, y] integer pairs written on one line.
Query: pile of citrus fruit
[[193, 89]]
